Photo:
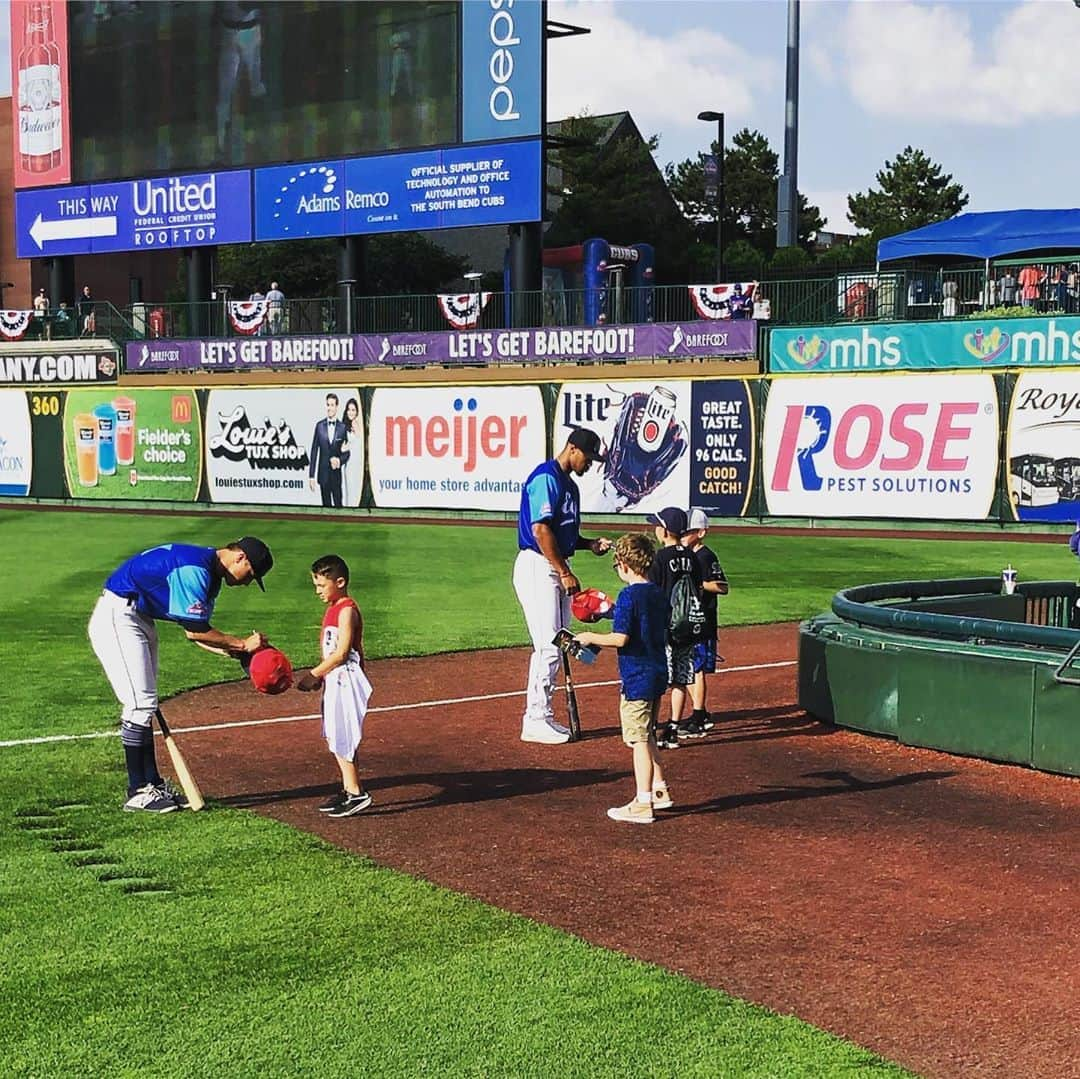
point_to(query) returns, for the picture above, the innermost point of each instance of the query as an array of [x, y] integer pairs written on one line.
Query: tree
[[751, 176], [611, 188], [913, 192]]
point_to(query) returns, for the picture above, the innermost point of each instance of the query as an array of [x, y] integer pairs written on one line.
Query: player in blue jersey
[[548, 535], [177, 583]]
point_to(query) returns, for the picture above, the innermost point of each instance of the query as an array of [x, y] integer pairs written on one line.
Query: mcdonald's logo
[[181, 409]]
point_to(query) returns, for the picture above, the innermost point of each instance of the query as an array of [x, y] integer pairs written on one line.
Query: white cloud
[[931, 61], [664, 82], [833, 207]]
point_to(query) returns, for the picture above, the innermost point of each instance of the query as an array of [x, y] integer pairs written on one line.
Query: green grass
[[247, 948]]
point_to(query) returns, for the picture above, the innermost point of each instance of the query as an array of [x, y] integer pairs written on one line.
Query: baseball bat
[[183, 772], [571, 699]]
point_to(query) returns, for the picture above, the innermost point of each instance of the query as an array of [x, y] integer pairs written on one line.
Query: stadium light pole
[[718, 119]]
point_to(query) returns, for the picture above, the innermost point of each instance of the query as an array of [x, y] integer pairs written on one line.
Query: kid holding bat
[[345, 687]]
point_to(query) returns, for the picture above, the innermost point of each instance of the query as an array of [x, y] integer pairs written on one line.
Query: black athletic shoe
[[334, 801], [691, 729], [352, 804], [667, 736], [708, 723]]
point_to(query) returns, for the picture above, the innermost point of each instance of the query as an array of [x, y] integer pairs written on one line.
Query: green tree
[[751, 176], [913, 192], [612, 189]]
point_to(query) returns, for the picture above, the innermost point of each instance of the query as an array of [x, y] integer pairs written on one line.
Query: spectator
[[62, 322], [275, 300], [257, 297], [1031, 277], [762, 308], [41, 314], [86, 312], [1061, 289], [1007, 288]]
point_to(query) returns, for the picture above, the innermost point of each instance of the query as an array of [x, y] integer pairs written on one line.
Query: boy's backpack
[[688, 622]]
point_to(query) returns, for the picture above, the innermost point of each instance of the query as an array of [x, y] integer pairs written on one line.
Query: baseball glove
[[269, 670], [590, 605], [646, 445]]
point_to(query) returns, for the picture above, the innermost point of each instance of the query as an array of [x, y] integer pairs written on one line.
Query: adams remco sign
[[28, 368]]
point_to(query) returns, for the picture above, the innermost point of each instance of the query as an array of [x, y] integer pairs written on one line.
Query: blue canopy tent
[[987, 236]]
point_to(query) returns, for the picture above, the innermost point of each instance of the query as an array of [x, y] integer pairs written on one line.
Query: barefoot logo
[[986, 346], [808, 352]]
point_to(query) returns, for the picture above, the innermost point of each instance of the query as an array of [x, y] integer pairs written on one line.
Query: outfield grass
[[227, 944]]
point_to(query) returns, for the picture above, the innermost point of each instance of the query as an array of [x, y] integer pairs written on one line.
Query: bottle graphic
[[54, 52], [106, 417], [125, 430], [38, 111], [86, 448]]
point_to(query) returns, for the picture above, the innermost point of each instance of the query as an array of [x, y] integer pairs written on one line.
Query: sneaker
[[708, 722], [661, 798], [667, 737], [546, 732], [691, 729], [334, 801], [351, 805], [179, 797], [633, 812], [151, 799]]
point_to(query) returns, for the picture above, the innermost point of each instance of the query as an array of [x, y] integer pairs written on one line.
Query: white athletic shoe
[[555, 725], [151, 799], [546, 732]]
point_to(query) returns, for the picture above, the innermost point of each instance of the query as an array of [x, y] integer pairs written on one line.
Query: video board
[[147, 109]]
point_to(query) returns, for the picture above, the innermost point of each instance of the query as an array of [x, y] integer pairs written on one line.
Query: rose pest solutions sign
[[920, 446], [454, 447]]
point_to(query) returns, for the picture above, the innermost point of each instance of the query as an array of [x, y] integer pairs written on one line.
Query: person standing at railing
[[41, 315], [86, 312], [275, 301]]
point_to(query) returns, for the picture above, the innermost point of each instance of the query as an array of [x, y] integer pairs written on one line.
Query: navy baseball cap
[[258, 554], [588, 442], [672, 519]]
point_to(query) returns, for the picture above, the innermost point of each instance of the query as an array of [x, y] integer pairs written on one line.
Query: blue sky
[[990, 90]]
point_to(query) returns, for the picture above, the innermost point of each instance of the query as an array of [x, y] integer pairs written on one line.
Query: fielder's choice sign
[[454, 447], [137, 444], [920, 446], [646, 429], [1044, 446], [721, 447], [16, 459], [287, 447], [29, 367]]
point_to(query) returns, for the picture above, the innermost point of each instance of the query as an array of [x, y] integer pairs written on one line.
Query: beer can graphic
[[86, 448], [658, 412], [106, 417], [125, 430]]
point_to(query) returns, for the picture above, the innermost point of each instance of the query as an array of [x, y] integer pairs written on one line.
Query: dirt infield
[[922, 905]]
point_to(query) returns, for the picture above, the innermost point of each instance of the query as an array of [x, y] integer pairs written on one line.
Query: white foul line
[[384, 708]]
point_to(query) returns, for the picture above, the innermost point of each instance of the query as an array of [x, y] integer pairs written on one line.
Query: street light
[[473, 277], [718, 118]]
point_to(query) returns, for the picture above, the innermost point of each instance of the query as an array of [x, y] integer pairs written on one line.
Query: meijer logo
[[503, 37]]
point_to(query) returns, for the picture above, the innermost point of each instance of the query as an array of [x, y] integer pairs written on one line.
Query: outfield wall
[[958, 446]]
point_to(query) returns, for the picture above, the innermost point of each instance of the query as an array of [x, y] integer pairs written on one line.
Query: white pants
[[346, 691], [547, 610], [126, 644]]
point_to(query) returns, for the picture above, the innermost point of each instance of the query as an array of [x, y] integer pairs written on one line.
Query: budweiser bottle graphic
[[39, 100]]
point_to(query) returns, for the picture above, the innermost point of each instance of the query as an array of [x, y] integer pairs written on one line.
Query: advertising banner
[[721, 447], [921, 446], [646, 429], [501, 50], [285, 447], [40, 95], [16, 457], [909, 346], [650, 340], [428, 189], [1044, 446], [137, 444], [32, 367], [134, 215], [448, 447]]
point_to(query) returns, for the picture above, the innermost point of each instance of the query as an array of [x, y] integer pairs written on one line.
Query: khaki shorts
[[638, 719]]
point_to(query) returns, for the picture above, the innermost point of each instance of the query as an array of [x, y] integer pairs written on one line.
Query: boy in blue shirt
[[639, 632]]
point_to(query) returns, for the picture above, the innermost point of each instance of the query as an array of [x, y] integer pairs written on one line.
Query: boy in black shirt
[[673, 561], [713, 584]]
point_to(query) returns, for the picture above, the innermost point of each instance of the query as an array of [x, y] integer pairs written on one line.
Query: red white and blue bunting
[[13, 324], [247, 316], [463, 312], [715, 301]]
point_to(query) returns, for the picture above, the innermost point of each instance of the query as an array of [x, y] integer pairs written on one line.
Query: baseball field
[[228, 942]]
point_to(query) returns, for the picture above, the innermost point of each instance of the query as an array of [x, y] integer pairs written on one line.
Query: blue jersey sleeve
[[543, 494], [190, 604]]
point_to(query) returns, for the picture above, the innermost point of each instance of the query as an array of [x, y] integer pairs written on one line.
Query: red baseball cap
[[270, 671]]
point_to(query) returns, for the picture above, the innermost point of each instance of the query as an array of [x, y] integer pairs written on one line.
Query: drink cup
[[86, 448], [106, 417], [1008, 580], [125, 430]]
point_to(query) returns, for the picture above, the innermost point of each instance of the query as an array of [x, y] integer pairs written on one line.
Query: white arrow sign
[[72, 228]]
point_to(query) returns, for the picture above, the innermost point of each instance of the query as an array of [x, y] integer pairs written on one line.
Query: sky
[[990, 90]]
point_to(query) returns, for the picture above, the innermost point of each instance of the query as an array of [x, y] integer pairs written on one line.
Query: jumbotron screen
[[190, 85]]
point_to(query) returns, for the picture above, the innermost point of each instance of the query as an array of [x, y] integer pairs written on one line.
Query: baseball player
[[179, 583], [548, 535]]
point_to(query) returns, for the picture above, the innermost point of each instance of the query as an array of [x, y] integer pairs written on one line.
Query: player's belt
[[127, 601]]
